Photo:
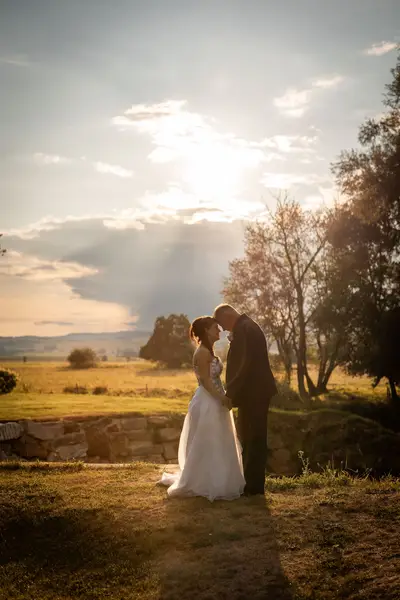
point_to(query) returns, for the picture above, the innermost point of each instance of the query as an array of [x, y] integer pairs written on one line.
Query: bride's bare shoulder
[[201, 355]]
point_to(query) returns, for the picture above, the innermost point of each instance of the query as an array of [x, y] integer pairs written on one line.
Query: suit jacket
[[250, 383]]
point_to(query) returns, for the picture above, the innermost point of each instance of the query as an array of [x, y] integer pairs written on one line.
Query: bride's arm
[[203, 362]]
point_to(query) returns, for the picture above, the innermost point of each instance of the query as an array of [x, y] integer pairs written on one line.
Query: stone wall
[[325, 436], [105, 439]]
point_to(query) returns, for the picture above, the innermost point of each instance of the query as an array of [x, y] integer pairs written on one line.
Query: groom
[[250, 385]]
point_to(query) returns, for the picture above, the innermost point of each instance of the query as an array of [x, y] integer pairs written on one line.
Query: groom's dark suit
[[250, 385]]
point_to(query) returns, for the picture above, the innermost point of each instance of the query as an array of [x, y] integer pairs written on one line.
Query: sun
[[210, 174], [209, 166], [215, 170]]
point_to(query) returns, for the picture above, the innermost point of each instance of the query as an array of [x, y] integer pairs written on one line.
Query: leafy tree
[[368, 295], [169, 342], [82, 358], [374, 350], [365, 235], [370, 175]]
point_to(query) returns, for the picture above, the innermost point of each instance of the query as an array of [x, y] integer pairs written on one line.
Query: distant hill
[[114, 345]]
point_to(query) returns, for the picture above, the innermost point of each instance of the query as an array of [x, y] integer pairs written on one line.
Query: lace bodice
[[216, 369]]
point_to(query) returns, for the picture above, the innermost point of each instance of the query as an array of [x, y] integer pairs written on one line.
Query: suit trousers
[[252, 431]]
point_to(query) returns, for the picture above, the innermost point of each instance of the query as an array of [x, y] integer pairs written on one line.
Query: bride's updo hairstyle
[[198, 331]]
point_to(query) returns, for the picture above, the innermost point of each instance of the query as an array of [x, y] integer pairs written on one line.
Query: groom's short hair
[[222, 309]]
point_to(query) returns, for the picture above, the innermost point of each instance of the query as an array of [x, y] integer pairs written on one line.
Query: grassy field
[[120, 378], [133, 377], [42, 406], [133, 386], [318, 537]]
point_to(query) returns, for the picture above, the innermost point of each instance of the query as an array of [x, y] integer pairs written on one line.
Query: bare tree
[[280, 281], [254, 287]]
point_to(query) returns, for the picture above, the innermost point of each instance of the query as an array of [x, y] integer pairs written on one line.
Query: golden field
[[119, 377], [127, 387], [134, 376]]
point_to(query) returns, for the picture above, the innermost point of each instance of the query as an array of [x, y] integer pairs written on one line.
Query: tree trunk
[[288, 370], [393, 391], [300, 379], [312, 390], [323, 384], [286, 358], [302, 351], [323, 360]]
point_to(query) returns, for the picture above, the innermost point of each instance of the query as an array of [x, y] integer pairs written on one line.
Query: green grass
[[69, 532], [41, 406], [18, 405]]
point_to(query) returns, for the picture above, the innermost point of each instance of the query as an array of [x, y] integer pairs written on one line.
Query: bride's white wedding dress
[[210, 457]]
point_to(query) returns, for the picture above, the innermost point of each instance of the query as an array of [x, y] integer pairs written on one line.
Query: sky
[[139, 137]]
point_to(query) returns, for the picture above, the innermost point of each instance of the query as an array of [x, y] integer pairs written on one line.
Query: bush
[[387, 414], [100, 390], [287, 398], [8, 381], [82, 358], [75, 389]]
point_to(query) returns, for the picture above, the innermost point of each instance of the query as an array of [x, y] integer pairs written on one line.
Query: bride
[[210, 460]]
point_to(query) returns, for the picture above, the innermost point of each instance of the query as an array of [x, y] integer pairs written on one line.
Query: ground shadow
[[71, 553], [224, 550]]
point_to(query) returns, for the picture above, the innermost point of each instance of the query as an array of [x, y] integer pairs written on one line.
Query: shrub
[[8, 381], [100, 390], [287, 398], [82, 358], [75, 389]]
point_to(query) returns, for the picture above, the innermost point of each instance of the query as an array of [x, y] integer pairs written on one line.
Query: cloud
[[186, 207], [291, 144], [380, 48], [17, 264], [212, 164], [146, 114], [102, 167], [53, 309], [296, 102], [165, 267], [326, 196], [48, 223], [50, 159], [104, 271], [328, 82], [174, 204], [15, 60], [285, 181], [43, 159], [59, 323]]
